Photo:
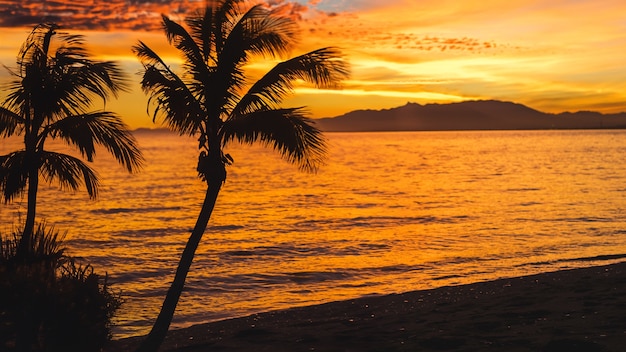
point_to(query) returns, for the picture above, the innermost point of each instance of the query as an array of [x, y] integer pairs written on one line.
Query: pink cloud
[[94, 14], [113, 14]]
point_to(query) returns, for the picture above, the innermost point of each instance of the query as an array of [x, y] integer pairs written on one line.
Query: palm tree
[[215, 100], [54, 85]]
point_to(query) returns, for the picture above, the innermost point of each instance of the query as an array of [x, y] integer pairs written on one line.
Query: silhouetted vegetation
[[48, 301], [215, 100], [53, 87]]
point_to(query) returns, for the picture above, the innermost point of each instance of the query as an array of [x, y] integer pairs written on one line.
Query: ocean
[[389, 212]]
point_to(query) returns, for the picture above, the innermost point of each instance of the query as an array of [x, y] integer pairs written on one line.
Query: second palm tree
[[214, 100], [53, 87]]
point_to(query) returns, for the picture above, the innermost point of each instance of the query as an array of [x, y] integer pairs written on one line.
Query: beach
[[569, 310]]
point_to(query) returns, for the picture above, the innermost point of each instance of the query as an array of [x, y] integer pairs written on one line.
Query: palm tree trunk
[[28, 325], [29, 226], [162, 323]]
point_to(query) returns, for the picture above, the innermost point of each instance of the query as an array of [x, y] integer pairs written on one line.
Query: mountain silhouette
[[467, 115]]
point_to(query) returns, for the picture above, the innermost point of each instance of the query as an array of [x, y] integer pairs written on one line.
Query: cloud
[[289, 9], [94, 14], [114, 14]]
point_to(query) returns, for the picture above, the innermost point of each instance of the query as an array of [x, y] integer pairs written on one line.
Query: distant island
[[467, 115]]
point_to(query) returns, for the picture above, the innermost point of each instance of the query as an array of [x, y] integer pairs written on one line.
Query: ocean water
[[389, 212]]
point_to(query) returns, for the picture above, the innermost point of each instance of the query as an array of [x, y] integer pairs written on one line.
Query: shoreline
[[569, 310]]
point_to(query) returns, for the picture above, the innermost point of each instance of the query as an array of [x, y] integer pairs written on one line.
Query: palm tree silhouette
[[215, 100], [54, 85]]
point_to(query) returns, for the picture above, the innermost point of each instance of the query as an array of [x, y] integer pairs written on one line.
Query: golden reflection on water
[[390, 212]]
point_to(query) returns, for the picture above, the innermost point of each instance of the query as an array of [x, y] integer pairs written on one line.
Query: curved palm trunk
[[162, 323]]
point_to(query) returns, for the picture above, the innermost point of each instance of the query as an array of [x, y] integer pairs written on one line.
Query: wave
[[523, 189], [109, 211], [305, 250], [584, 219], [596, 258], [225, 228], [376, 221], [261, 280]]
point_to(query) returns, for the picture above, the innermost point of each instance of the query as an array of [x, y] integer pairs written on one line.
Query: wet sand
[[570, 310]]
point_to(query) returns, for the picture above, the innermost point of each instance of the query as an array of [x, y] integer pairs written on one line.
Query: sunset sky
[[561, 55]]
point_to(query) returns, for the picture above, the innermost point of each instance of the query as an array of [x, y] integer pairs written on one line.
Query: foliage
[[48, 302], [53, 87], [217, 100]]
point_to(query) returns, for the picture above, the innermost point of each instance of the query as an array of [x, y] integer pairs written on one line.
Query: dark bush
[[48, 302]]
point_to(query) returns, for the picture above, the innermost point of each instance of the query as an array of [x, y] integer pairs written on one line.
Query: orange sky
[[551, 55]]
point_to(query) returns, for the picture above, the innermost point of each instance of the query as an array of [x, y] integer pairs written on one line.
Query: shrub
[[48, 302]]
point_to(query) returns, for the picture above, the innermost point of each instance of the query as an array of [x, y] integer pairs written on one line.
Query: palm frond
[[251, 33], [9, 122], [103, 128], [60, 79], [69, 171], [71, 59], [273, 35], [147, 56], [171, 97], [101, 78], [73, 80], [202, 31], [13, 174], [233, 29], [35, 46], [226, 14], [173, 100], [324, 68], [288, 131], [183, 41]]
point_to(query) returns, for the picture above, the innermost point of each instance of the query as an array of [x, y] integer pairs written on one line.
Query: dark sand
[[571, 310]]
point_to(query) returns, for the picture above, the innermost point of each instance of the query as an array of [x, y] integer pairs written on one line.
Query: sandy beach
[[570, 310]]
